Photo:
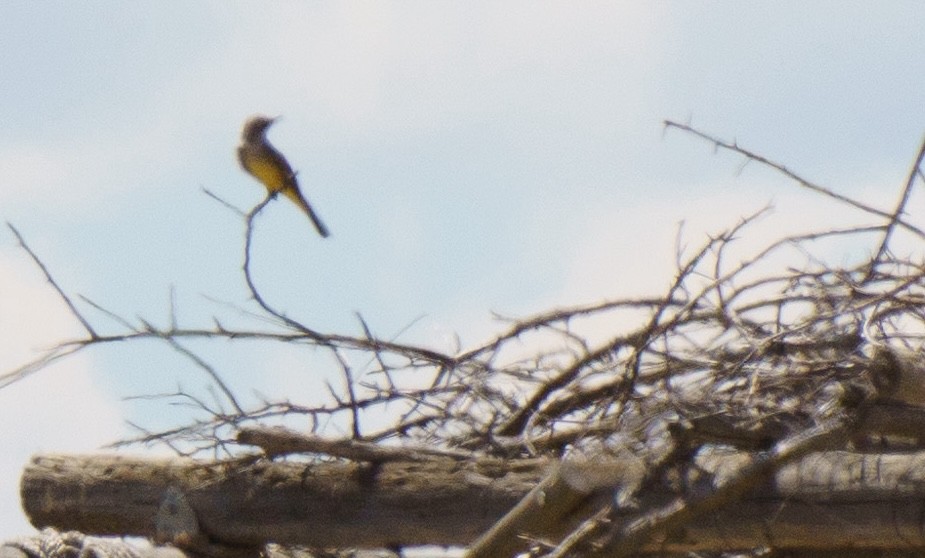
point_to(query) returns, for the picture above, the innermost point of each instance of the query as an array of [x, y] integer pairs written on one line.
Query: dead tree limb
[[853, 500]]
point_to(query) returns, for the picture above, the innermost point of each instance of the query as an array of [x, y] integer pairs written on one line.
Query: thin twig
[[51, 280], [208, 369], [900, 209], [252, 287], [222, 201], [790, 174]]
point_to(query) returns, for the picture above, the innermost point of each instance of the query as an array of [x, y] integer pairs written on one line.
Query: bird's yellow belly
[[273, 177]]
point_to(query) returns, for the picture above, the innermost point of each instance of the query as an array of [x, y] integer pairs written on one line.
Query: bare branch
[[216, 377], [279, 441], [900, 207], [52, 282], [751, 156]]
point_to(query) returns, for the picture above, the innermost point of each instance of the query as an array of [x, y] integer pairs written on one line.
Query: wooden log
[[249, 504], [828, 500]]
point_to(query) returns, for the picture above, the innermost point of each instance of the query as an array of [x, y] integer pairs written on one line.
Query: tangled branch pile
[[740, 354]]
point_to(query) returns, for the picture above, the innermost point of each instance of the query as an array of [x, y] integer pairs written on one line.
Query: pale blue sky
[[468, 157]]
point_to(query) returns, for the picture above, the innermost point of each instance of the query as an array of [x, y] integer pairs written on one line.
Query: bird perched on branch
[[262, 161]]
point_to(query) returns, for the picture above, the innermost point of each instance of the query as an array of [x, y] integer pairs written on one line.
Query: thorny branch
[[737, 352], [894, 219]]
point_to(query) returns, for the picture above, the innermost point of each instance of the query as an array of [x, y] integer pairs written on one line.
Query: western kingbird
[[266, 164]]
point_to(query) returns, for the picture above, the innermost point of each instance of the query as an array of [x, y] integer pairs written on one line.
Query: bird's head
[[256, 126]]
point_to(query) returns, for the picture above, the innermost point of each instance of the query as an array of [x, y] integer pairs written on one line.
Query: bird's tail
[[296, 196]]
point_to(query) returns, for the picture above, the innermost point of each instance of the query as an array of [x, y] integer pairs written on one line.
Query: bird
[[262, 161]]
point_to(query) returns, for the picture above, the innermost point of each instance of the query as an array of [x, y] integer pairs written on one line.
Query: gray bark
[[829, 500]]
